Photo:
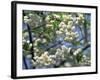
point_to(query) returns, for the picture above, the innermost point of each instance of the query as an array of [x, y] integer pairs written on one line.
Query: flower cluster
[[67, 31], [77, 51], [80, 19], [47, 60], [42, 61], [32, 20]]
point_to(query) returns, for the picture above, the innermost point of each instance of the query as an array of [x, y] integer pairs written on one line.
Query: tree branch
[[26, 67]]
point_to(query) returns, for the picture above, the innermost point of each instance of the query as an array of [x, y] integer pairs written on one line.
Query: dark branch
[[55, 44], [30, 39], [86, 46], [26, 67]]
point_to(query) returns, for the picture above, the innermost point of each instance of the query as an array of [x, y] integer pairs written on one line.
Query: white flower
[[62, 24], [33, 62], [56, 16], [45, 56], [69, 27], [49, 25], [36, 57], [68, 33], [58, 32], [52, 56], [84, 56], [73, 28], [46, 53], [65, 18], [30, 15], [77, 51], [65, 30], [52, 21], [38, 40], [47, 18], [36, 49], [30, 45], [66, 39], [35, 43], [70, 23], [28, 41], [26, 34], [25, 17], [44, 59], [69, 15], [44, 40], [83, 21], [35, 53], [78, 18], [61, 29], [34, 20], [72, 33], [26, 20], [63, 57], [81, 16], [69, 50], [58, 52], [70, 38], [46, 64], [77, 22]]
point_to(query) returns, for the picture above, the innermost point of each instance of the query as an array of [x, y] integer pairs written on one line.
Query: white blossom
[[49, 25], [69, 27], [58, 32], [70, 23], [47, 18], [62, 24], [28, 41], [35, 44], [56, 16], [38, 40], [61, 29], [73, 28], [30, 45], [36, 49], [77, 51], [69, 49], [52, 21], [65, 18], [44, 40]]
